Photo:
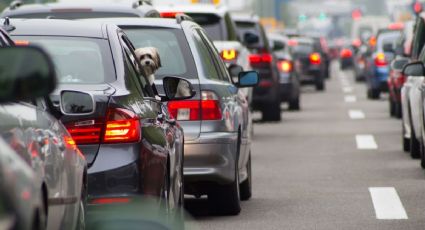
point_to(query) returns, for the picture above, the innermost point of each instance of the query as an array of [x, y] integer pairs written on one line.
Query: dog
[[150, 62], [183, 89]]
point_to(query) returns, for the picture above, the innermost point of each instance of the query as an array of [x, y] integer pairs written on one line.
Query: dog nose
[[147, 62]]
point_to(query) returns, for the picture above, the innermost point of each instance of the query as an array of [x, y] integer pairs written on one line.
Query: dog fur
[[150, 62]]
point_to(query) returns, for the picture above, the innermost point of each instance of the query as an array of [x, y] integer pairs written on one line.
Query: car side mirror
[[247, 79], [76, 103], [25, 73], [250, 38], [398, 64], [177, 89], [414, 69], [278, 46], [388, 48]]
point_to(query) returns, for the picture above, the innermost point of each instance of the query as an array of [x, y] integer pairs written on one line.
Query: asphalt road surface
[[337, 164]]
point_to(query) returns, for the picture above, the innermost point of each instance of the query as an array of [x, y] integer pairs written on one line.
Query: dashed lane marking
[[366, 142], [387, 204], [356, 114], [347, 89], [350, 98]]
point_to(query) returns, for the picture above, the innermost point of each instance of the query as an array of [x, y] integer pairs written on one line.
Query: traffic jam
[[194, 114]]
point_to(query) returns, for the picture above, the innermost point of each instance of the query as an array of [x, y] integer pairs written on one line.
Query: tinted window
[[75, 15], [212, 24], [174, 51], [78, 60], [252, 27], [387, 38], [207, 62], [302, 48]]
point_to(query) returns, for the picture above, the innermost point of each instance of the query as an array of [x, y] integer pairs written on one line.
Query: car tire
[[373, 94], [397, 110], [320, 85], [294, 104], [81, 224], [40, 217], [422, 153], [272, 112], [406, 141], [415, 147], [391, 107], [246, 186]]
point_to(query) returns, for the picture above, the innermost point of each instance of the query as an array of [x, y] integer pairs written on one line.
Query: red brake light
[[85, 132], [229, 55], [284, 66], [192, 110], [169, 14], [380, 60], [122, 126], [315, 59], [346, 53], [260, 58]]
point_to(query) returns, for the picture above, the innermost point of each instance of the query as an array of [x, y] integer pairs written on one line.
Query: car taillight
[[86, 131], [122, 126], [315, 59], [284, 66], [208, 108], [229, 55], [380, 60], [346, 53], [169, 14], [260, 58]]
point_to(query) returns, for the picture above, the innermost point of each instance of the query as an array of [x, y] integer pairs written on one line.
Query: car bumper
[[211, 158]]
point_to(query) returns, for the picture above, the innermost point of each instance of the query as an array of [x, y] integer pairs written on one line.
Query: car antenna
[[7, 26]]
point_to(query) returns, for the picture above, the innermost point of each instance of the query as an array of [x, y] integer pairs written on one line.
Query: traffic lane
[[309, 174]]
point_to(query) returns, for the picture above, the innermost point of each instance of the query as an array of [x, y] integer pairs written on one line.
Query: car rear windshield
[[302, 48], [387, 38], [74, 15], [212, 24], [174, 51], [77, 60]]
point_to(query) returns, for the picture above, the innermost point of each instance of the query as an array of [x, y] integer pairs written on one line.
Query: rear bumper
[[210, 159], [311, 77]]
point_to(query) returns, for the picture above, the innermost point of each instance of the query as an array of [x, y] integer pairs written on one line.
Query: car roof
[[201, 8], [155, 22], [96, 7], [57, 27], [245, 17]]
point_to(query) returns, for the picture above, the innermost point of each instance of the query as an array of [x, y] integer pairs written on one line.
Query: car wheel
[[414, 145], [272, 112], [422, 153], [373, 93], [397, 110], [320, 85], [391, 107], [406, 141], [246, 186], [294, 104], [81, 224]]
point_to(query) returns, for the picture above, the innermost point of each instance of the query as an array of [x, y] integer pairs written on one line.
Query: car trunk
[[101, 94]]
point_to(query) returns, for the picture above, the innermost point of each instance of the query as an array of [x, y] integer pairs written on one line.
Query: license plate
[[183, 114]]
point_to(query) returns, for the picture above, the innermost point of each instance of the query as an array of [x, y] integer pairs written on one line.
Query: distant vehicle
[[79, 10], [53, 192], [266, 97], [321, 45], [217, 120], [132, 144], [368, 26], [377, 64], [308, 65], [346, 58], [289, 81]]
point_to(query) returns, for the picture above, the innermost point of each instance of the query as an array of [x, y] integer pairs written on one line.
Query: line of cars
[[102, 135]]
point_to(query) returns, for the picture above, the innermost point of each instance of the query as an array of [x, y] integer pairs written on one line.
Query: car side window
[[133, 68], [221, 68], [419, 38], [206, 62]]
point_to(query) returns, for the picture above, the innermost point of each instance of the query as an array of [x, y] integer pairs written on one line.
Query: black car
[[308, 62], [266, 96], [78, 10], [131, 143], [289, 82], [44, 182]]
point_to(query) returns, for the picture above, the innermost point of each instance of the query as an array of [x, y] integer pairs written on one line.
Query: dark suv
[[266, 96], [131, 143]]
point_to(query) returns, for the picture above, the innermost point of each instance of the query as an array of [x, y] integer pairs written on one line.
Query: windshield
[[77, 60], [74, 15], [174, 51]]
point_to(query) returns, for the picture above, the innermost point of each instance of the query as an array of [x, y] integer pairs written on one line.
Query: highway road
[[337, 164]]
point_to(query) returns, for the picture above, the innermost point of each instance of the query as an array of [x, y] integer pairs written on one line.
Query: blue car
[[378, 65]]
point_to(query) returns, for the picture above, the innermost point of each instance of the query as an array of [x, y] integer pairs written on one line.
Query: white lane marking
[[387, 204], [356, 114], [347, 89], [366, 142], [350, 98]]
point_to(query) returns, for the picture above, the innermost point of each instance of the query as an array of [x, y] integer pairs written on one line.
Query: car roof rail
[[15, 4], [138, 3], [183, 17]]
